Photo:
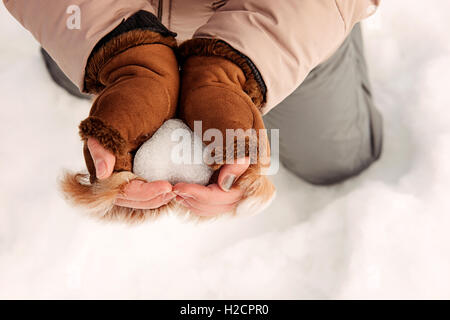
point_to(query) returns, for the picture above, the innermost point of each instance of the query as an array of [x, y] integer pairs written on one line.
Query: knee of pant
[[325, 168]]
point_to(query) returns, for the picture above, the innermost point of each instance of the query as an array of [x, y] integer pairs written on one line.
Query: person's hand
[[220, 89], [136, 80], [137, 194], [213, 199], [137, 91]]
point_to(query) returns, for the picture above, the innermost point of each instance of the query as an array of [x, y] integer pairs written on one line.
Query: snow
[[169, 155], [384, 234]]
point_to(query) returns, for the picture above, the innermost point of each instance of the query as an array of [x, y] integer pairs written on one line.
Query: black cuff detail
[[142, 20]]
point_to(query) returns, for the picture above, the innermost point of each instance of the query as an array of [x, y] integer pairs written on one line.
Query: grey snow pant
[[329, 127]]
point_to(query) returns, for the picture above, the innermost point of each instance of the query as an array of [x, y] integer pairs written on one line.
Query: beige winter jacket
[[285, 39]]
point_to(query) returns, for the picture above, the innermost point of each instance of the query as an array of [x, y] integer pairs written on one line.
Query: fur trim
[[243, 145], [256, 147], [98, 200], [254, 85], [114, 47], [256, 185], [108, 137]]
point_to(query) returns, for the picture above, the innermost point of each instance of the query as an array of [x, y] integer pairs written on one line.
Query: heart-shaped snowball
[[169, 155]]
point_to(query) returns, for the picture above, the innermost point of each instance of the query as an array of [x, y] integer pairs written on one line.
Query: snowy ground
[[385, 234]]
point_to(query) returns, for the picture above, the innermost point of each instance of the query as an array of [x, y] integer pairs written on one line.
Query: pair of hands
[[202, 200]]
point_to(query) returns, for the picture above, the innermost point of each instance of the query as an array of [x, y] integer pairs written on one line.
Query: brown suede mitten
[[137, 78], [220, 88]]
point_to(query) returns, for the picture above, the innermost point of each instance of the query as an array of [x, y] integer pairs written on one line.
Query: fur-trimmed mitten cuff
[[223, 89]]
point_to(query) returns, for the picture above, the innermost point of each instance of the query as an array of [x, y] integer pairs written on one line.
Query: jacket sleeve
[[70, 45], [285, 39]]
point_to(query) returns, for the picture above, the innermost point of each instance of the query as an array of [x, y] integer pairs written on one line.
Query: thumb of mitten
[[99, 161]]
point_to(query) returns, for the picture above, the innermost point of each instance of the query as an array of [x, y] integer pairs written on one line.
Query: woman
[[301, 60]]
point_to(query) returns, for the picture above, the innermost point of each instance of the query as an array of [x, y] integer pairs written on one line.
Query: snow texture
[[384, 234], [161, 157]]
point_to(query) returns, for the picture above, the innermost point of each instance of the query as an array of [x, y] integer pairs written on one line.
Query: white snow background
[[384, 234]]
